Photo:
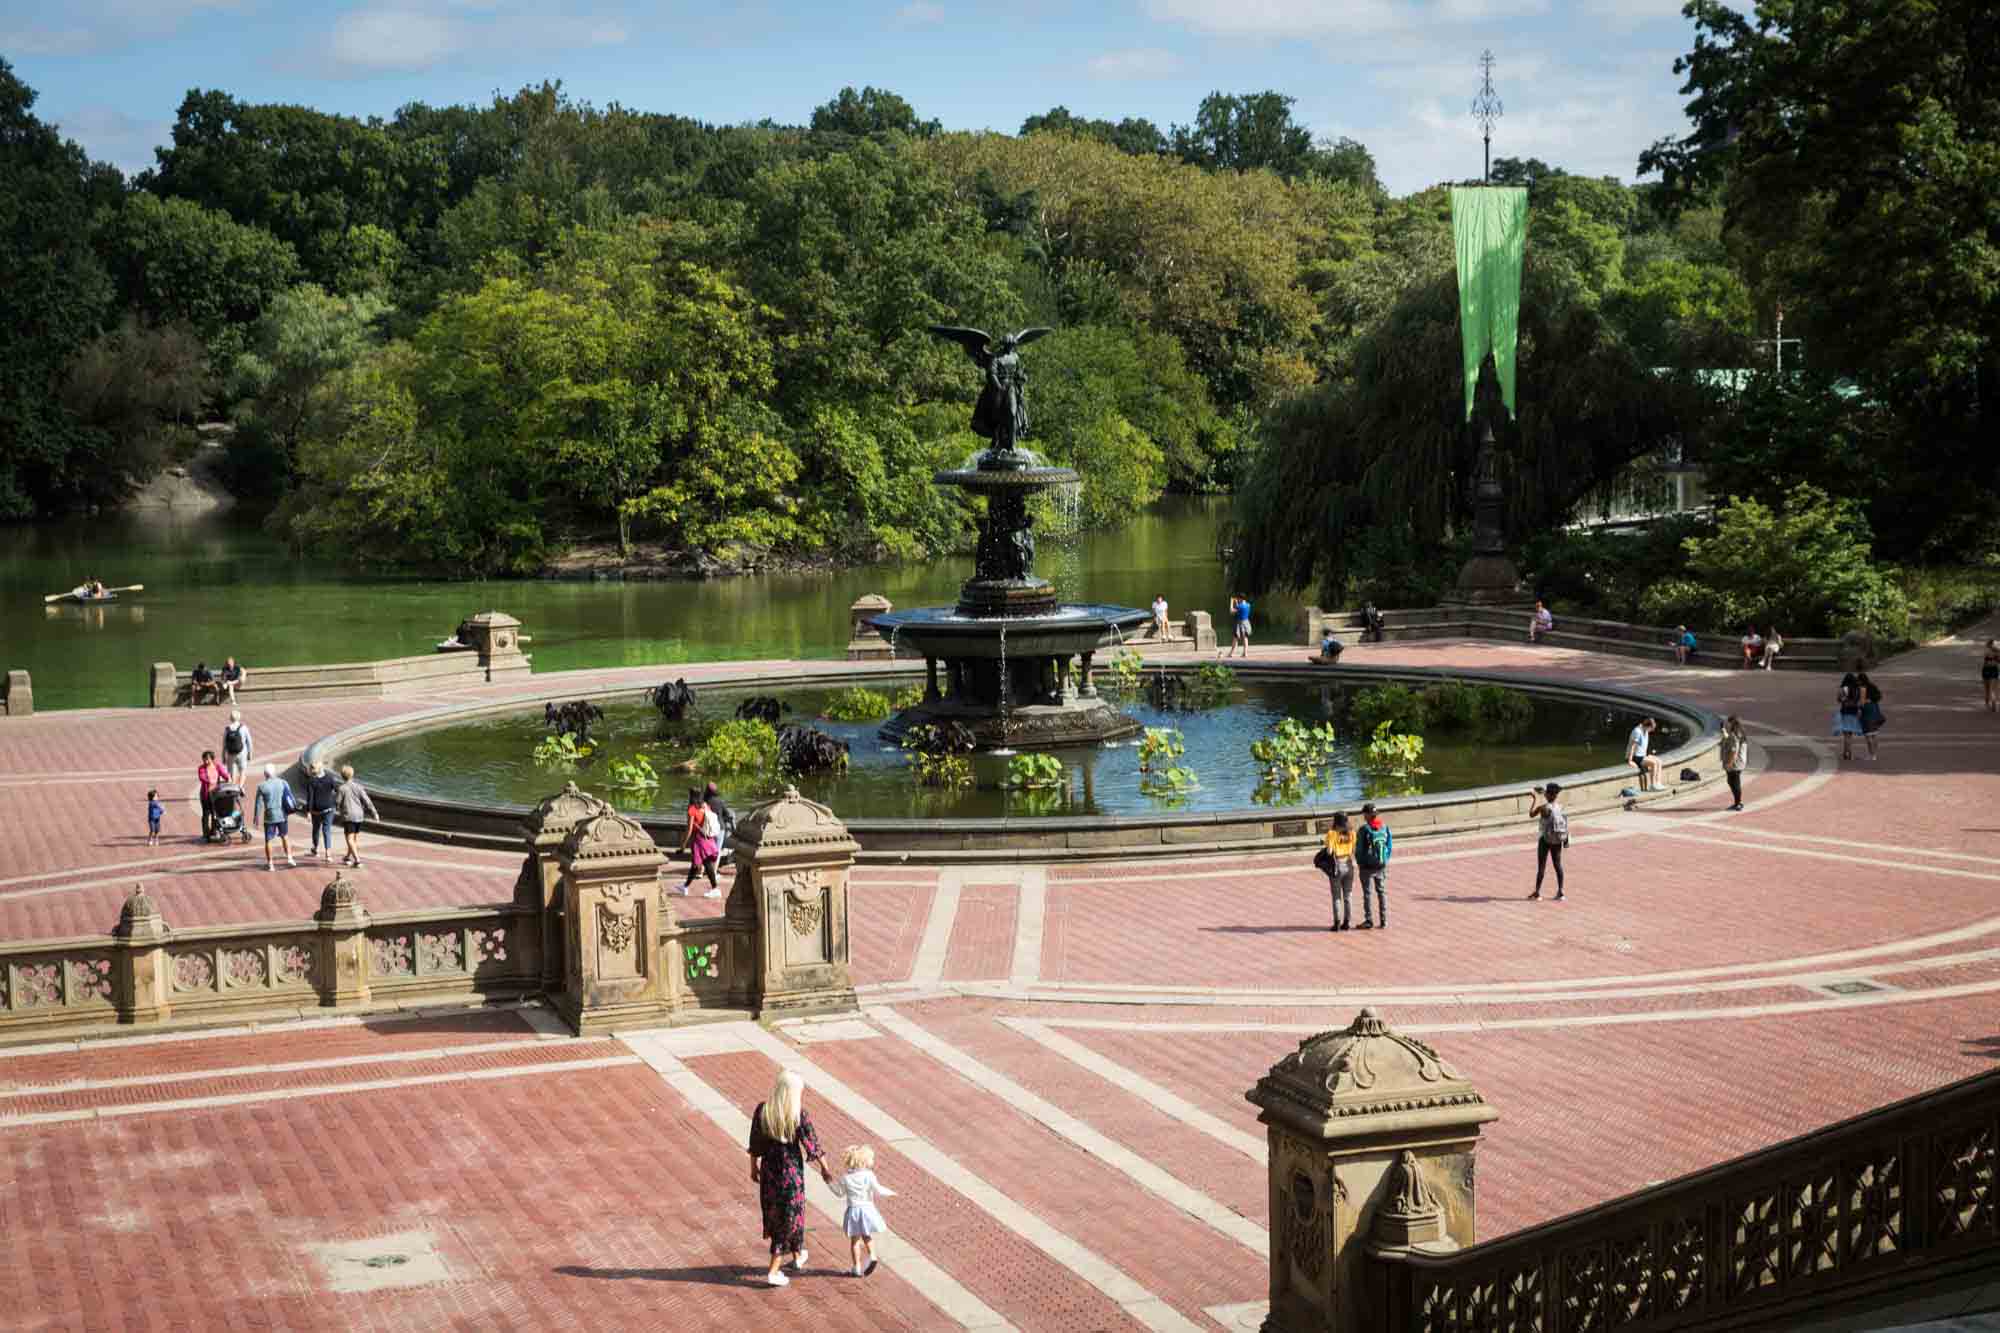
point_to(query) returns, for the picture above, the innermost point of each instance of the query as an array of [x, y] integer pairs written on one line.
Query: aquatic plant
[[856, 704], [742, 746]]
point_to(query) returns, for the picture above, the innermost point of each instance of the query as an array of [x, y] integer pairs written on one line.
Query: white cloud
[[84, 27], [919, 14], [1325, 19], [109, 135], [421, 36], [1149, 62]]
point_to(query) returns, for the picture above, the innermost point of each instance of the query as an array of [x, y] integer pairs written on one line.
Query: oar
[[130, 587]]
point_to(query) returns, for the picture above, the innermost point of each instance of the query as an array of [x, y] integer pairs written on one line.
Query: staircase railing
[[1889, 1204]]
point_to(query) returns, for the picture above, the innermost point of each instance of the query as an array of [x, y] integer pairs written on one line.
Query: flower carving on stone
[[243, 967], [89, 979], [441, 951], [193, 971], [804, 903], [489, 946], [618, 929], [295, 964], [39, 984], [390, 955]]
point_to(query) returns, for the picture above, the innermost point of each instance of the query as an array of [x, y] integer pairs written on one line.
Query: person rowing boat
[[93, 590]]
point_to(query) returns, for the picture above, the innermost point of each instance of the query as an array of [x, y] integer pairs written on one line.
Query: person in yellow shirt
[[1337, 860]]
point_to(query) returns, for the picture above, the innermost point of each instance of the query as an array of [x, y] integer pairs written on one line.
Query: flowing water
[[216, 587]]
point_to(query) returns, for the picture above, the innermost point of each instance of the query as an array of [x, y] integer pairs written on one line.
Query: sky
[[1585, 84]]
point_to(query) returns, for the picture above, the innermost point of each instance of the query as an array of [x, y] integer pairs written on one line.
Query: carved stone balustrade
[[614, 915], [1371, 1141], [540, 883], [792, 862]]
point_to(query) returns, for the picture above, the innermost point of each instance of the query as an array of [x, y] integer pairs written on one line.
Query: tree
[[128, 386], [306, 336], [870, 111], [52, 298], [1242, 133], [174, 260], [1134, 134], [1858, 153]]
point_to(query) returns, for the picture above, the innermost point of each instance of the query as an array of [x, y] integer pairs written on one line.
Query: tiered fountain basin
[[464, 773]]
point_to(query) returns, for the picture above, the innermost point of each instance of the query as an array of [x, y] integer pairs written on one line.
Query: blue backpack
[[1372, 845]]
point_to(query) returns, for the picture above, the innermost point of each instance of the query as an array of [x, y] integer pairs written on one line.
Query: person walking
[[1735, 754], [1774, 643], [208, 777], [275, 805], [782, 1142], [351, 803], [155, 812], [1372, 846], [1989, 675], [1847, 714], [322, 798], [1553, 835], [862, 1221], [1872, 716], [701, 839], [725, 818], [1336, 860], [236, 747]]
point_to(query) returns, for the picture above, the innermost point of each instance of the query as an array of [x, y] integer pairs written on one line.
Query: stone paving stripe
[[1128, 1080], [1030, 914], [287, 1067], [1134, 1299], [1890, 863], [936, 943], [285, 1094], [658, 1049], [1116, 1155]]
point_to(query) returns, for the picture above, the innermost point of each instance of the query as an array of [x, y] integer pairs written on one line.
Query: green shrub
[[1451, 705], [1493, 712], [1122, 676], [857, 704], [635, 773], [1806, 567], [1025, 771], [907, 697], [951, 771], [1504, 714], [1399, 705], [1395, 754], [1212, 684], [741, 746]]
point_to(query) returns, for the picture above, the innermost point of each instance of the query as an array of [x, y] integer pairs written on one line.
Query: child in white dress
[[859, 1188]]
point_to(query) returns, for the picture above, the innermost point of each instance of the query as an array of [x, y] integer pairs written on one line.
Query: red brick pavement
[[982, 935], [887, 914]]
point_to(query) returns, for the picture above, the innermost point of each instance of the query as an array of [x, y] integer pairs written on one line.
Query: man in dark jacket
[[712, 798], [321, 787], [1372, 846]]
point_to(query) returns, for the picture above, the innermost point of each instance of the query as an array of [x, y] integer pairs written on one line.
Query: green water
[[488, 760], [216, 587]]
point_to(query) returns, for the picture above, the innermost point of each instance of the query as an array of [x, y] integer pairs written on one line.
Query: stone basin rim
[[945, 841]]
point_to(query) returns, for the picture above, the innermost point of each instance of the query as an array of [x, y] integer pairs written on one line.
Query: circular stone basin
[[485, 761], [943, 631]]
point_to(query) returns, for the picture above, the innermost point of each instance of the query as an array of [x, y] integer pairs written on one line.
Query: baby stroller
[[225, 813]]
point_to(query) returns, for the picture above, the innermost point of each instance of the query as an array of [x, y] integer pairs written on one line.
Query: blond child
[[859, 1188]]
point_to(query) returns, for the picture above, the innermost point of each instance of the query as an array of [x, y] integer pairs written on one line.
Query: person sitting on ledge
[[1159, 615], [201, 683], [1329, 647], [1541, 622], [1774, 643], [1683, 644], [232, 678], [1372, 622], [1753, 647]]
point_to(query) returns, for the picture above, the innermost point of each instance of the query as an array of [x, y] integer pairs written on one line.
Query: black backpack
[[232, 740]]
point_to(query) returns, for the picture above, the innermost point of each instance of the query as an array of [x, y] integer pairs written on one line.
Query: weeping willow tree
[[1381, 449]]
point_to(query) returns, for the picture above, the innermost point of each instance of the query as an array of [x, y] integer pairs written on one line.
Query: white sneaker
[[857, 1270], [799, 1261], [291, 863], [713, 893], [777, 1279]]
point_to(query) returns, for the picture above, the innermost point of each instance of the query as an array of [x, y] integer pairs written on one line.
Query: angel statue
[[1002, 413]]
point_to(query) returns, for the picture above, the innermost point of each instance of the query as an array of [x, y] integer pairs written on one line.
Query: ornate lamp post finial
[[1486, 109]]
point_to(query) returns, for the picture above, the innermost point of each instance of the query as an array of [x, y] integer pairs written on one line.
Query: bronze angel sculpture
[[1002, 413]]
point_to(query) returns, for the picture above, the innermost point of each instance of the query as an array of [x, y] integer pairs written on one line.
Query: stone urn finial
[[140, 918], [1366, 1073], [340, 903], [1410, 1215]]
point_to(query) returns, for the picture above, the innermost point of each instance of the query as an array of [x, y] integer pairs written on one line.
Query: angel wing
[[1026, 336], [974, 341]]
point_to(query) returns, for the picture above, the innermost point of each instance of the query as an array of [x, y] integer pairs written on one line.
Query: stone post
[[1489, 577], [613, 913], [863, 643], [792, 863], [20, 695], [343, 945], [497, 636], [142, 989], [164, 684], [1371, 1141], [539, 884], [1201, 631]]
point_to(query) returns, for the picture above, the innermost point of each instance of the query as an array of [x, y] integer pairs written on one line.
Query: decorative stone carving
[[1366, 1070], [704, 961], [613, 915], [193, 972], [1411, 1215], [139, 918], [792, 859], [804, 907], [619, 928], [489, 946], [1305, 1226], [340, 902], [243, 967], [441, 951], [391, 956], [295, 965], [564, 810], [89, 979], [37, 985]]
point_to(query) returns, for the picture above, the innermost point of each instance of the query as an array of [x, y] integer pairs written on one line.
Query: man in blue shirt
[[1239, 611], [274, 807]]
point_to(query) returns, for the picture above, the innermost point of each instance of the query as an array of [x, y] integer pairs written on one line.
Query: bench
[[340, 680]]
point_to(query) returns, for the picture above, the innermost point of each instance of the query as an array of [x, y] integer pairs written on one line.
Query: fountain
[[1006, 647]]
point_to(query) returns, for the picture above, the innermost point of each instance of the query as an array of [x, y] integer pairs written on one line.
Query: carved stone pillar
[[792, 863], [343, 944], [863, 643], [1371, 1143], [613, 913], [539, 884], [19, 695], [1200, 631], [497, 636], [142, 989]]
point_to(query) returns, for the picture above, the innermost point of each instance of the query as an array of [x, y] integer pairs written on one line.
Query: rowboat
[[81, 595]]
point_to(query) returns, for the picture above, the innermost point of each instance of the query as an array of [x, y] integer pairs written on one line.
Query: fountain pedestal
[[1005, 661]]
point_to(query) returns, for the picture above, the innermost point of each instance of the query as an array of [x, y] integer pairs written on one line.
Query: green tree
[[174, 260], [54, 294], [1242, 133], [305, 336], [870, 111], [1806, 565], [1134, 134]]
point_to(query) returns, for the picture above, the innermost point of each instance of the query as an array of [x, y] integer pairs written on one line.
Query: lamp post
[[1486, 109]]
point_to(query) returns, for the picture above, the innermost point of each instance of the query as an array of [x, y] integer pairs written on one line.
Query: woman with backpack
[[1554, 835], [703, 840], [1872, 717], [1336, 861], [1847, 714]]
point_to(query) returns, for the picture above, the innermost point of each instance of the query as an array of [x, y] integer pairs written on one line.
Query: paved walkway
[[1050, 1060]]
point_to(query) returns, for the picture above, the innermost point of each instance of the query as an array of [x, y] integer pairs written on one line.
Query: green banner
[[1489, 225]]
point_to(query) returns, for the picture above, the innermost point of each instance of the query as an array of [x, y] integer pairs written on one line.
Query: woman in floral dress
[[782, 1141]]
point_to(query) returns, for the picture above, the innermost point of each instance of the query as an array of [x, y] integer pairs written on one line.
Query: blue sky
[[1586, 83]]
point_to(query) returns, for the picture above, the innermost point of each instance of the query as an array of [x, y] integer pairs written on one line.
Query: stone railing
[[1900, 1202], [146, 972], [1653, 642], [17, 695], [494, 651]]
